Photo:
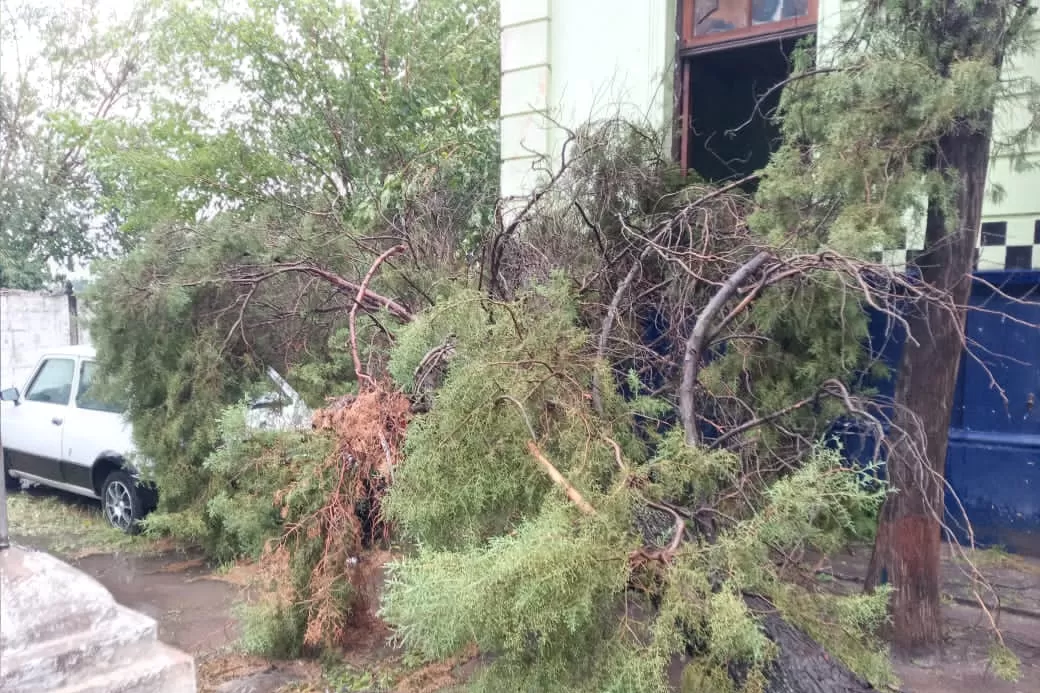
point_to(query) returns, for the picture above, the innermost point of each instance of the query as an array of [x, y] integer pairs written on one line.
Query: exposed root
[[369, 431]]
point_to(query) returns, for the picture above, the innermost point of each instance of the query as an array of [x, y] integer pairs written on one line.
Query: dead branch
[[701, 335], [615, 302], [352, 319], [369, 300]]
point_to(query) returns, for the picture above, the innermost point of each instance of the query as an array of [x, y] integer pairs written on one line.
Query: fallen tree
[[621, 445], [580, 554]]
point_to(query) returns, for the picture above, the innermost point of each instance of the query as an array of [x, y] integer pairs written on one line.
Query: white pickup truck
[[57, 432]]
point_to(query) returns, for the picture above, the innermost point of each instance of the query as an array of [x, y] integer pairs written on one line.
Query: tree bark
[[700, 337], [907, 548], [802, 665]]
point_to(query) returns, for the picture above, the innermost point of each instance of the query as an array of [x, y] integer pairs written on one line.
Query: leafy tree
[[65, 65], [341, 129]]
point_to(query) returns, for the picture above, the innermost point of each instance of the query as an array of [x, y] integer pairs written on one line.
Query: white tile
[[526, 45], [524, 91]]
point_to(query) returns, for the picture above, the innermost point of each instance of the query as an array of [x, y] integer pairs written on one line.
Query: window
[[715, 21], [53, 384], [87, 398]]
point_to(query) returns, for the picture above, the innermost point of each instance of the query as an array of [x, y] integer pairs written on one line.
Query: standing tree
[[963, 44], [64, 64]]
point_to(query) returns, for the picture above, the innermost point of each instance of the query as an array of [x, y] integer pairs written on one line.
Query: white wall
[[30, 322], [610, 58], [566, 62]]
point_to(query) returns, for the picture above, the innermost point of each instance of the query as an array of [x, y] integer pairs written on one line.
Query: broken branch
[[701, 335], [361, 292], [572, 493]]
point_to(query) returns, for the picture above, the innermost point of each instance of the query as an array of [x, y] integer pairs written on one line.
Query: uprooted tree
[[619, 453]]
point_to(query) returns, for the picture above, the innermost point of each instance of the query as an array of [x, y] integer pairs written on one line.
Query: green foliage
[[271, 630], [240, 510], [470, 474], [504, 561], [1004, 662], [341, 123], [249, 469], [51, 87]]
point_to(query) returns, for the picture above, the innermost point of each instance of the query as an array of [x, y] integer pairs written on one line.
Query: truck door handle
[[57, 421]]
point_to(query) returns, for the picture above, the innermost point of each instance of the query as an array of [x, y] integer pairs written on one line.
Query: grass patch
[[68, 526]]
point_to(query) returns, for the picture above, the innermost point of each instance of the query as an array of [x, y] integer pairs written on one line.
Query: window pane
[[766, 11], [716, 16], [86, 398], [53, 383], [720, 16]]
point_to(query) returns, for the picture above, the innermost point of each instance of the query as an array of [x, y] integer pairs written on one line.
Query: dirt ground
[[194, 606], [1012, 596]]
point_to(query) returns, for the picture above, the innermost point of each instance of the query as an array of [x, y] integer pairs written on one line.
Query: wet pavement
[[192, 608], [1013, 598]]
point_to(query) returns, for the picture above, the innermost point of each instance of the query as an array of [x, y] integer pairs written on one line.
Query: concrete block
[[127, 636], [524, 136], [161, 670], [42, 598], [60, 630], [524, 91], [520, 177]]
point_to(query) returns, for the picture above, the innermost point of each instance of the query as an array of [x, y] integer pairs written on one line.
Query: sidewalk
[[1013, 581], [1014, 584]]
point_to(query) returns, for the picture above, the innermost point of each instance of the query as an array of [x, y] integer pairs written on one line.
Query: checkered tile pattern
[[1012, 244]]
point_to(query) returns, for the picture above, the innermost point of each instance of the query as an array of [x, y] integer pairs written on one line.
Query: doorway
[[731, 98]]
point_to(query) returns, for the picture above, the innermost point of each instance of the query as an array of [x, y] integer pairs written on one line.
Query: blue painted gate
[[993, 460]]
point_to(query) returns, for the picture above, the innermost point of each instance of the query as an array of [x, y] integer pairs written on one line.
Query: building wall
[[31, 321], [566, 62]]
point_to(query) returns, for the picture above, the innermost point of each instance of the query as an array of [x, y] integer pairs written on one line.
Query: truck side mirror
[[11, 394]]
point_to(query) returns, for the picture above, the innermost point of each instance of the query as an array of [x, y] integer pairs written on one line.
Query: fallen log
[[802, 665]]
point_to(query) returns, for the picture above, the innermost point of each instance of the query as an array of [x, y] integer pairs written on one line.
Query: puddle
[[194, 613]]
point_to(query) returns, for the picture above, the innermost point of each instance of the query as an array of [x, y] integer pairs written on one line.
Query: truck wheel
[[121, 502]]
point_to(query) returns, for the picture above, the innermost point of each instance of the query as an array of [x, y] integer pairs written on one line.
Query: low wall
[[31, 321]]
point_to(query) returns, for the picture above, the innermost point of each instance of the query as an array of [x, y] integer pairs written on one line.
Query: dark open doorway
[[730, 107]]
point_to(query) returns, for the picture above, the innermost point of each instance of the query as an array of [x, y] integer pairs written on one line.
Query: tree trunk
[[802, 665], [907, 548]]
